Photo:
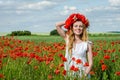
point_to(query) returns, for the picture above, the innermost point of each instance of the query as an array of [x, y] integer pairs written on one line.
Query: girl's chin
[[78, 33]]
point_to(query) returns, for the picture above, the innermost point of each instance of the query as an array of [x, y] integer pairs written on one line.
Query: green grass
[[16, 67], [45, 38], [48, 38]]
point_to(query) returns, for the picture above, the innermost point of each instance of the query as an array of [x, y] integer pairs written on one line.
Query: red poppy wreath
[[75, 17]]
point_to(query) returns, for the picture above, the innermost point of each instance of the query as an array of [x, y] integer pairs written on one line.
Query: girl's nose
[[80, 27]]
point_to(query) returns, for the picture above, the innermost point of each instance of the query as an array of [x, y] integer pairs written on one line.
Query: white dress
[[78, 53]]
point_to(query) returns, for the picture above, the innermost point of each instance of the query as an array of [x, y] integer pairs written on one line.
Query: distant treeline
[[114, 32], [19, 33], [55, 33]]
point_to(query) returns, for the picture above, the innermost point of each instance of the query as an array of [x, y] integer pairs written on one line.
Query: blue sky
[[41, 15]]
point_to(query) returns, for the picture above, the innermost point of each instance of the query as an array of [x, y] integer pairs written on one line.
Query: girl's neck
[[77, 39]]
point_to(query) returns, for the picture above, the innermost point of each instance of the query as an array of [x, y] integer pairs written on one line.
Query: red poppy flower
[[64, 59], [106, 57], [78, 61], [73, 58], [0, 62], [104, 67], [32, 55], [113, 60], [47, 62], [61, 65], [76, 69], [72, 67], [60, 55], [1, 75], [95, 54], [102, 61], [91, 72], [57, 71], [86, 64], [50, 76], [64, 72], [117, 73]]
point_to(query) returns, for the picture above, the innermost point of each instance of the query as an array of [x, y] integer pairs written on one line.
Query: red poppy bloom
[[64, 59], [113, 60], [1, 75], [104, 67], [47, 62], [73, 58], [76, 69], [61, 65], [102, 61], [50, 76], [95, 54], [105, 51], [117, 73], [57, 71], [112, 43], [72, 67], [0, 62], [92, 72], [32, 55], [78, 61], [64, 72], [106, 57], [60, 55], [86, 64]]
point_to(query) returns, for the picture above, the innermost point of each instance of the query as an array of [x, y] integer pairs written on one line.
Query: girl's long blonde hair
[[83, 37]]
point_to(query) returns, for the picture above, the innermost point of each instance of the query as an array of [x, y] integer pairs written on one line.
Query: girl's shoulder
[[89, 42]]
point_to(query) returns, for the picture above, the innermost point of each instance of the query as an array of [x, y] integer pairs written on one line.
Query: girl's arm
[[60, 30], [90, 59]]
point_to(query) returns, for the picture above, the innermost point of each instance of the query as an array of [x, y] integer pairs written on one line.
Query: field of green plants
[[42, 58]]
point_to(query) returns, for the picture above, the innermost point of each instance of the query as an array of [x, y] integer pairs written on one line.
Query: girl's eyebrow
[[77, 25]]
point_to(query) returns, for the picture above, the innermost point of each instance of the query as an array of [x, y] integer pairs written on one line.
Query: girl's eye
[[75, 26], [81, 26], [78, 26]]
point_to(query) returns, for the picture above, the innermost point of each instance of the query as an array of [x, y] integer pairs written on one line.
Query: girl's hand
[[60, 30]]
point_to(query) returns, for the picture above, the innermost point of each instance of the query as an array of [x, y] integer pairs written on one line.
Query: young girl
[[78, 48]]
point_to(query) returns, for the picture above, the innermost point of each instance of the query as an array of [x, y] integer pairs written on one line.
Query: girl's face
[[78, 28]]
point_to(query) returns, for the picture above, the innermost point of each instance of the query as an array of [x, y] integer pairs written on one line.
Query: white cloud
[[101, 8], [6, 2], [115, 2], [22, 12], [21, 7], [93, 9], [118, 18], [68, 9], [36, 26], [1, 2], [37, 5]]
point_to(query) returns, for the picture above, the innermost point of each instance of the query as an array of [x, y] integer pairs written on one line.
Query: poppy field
[[42, 58]]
